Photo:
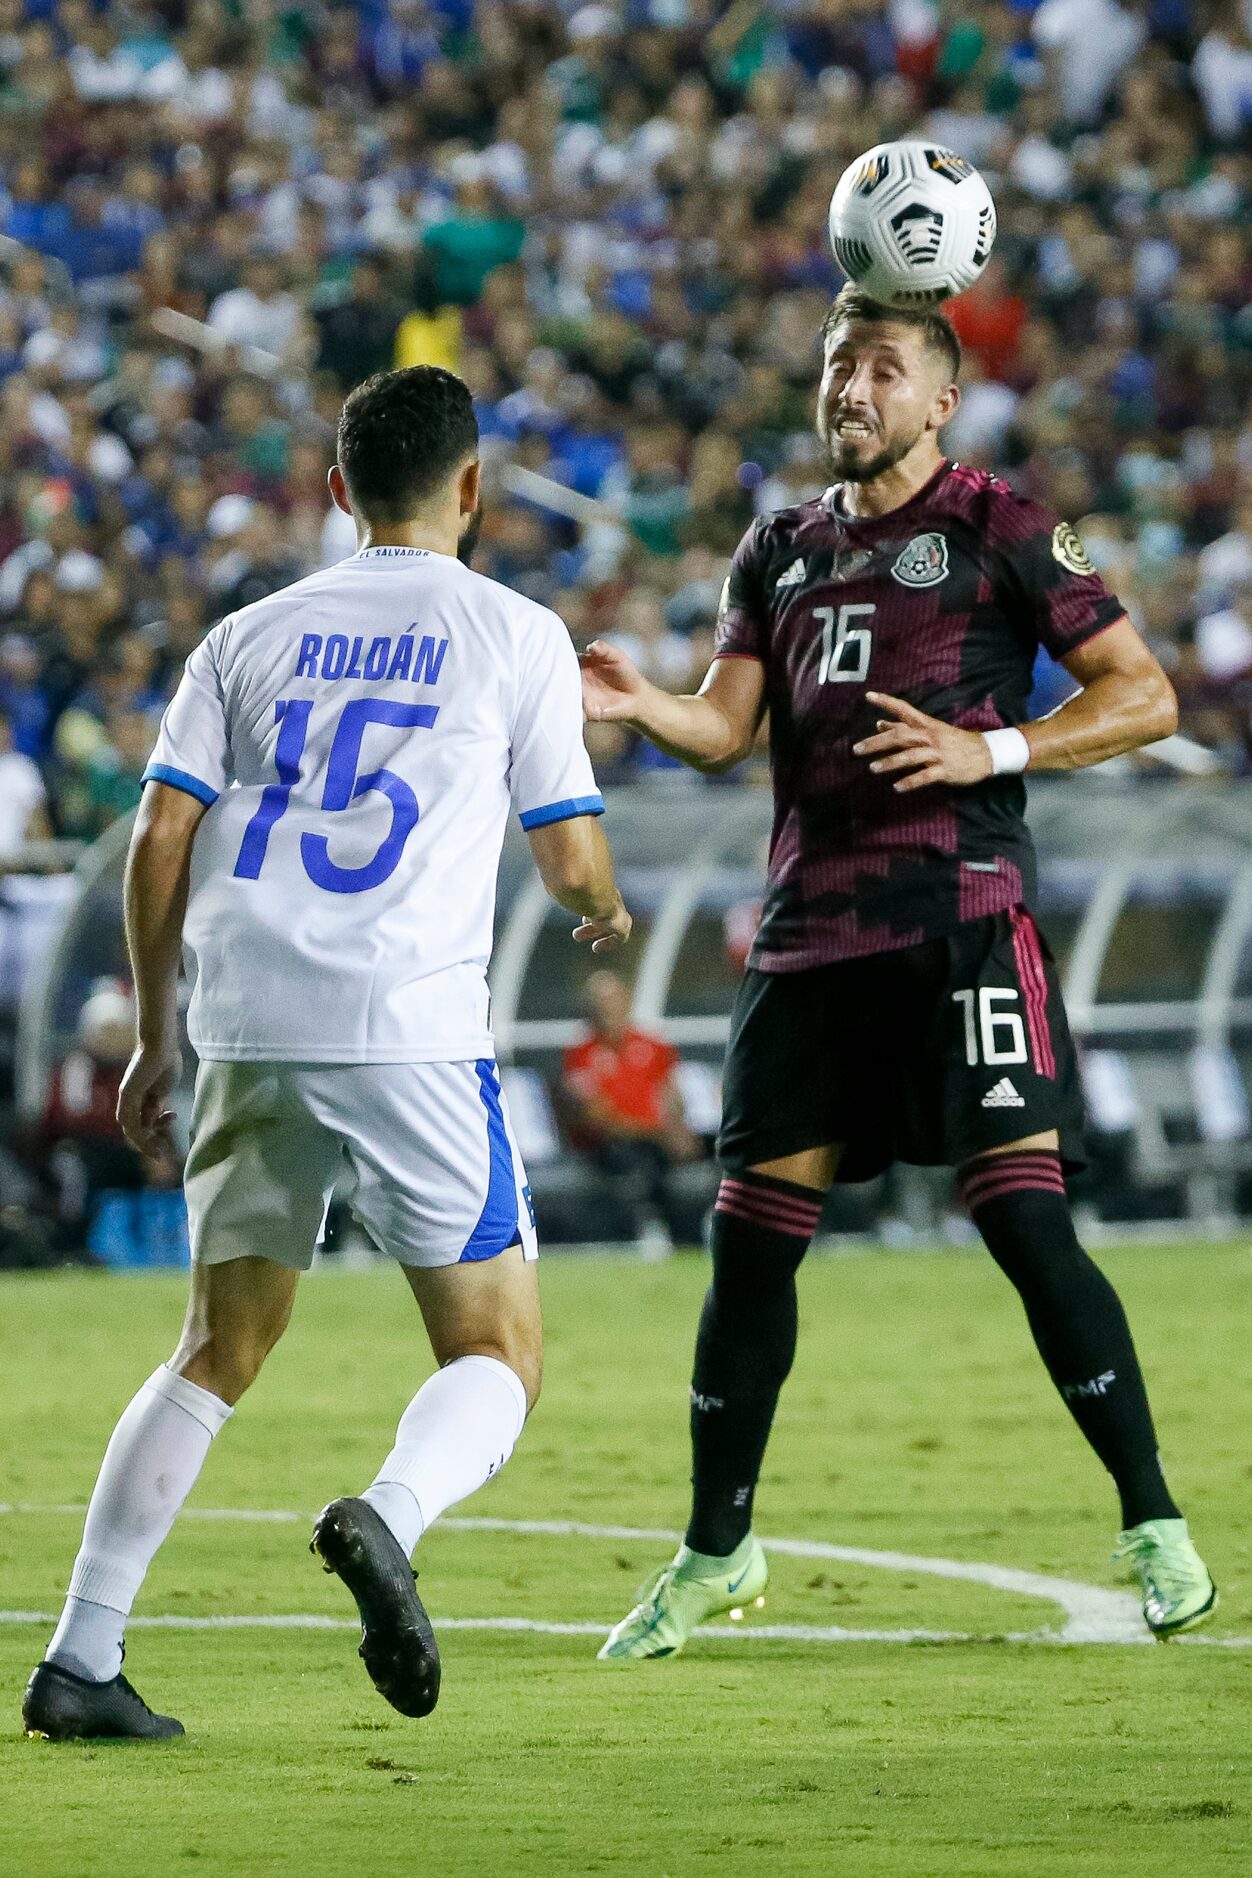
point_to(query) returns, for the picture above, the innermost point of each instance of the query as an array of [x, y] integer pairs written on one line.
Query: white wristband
[[1010, 752]]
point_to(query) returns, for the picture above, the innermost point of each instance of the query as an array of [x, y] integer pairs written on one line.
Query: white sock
[[459, 1430], [149, 1468]]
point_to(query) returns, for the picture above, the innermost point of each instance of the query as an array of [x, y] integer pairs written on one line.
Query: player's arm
[[712, 730], [1125, 702], [576, 867], [717, 727], [554, 790], [158, 870]]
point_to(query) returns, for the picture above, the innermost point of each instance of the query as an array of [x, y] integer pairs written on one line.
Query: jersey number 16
[[343, 785], [845, 647]]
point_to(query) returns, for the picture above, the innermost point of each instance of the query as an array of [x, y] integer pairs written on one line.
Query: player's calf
[[237, 1311], [1018, 1202], [762, 1226], [459, 1430]]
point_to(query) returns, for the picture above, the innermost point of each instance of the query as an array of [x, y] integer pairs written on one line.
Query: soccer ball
[[912, 223]]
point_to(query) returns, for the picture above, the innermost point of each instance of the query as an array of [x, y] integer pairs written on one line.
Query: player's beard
[[849, 467], [469, 536]]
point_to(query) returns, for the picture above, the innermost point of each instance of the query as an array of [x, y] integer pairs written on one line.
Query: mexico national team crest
[[924, 563]]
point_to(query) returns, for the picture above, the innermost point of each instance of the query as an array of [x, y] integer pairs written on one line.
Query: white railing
[[685, 848]]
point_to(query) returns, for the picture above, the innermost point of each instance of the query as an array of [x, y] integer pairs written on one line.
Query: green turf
[[917, 1420]]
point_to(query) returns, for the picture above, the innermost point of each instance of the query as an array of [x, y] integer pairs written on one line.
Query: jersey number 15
[[343, 785]]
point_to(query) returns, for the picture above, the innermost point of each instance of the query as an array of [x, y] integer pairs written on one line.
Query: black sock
[[744, 1348], [1017, 1201]]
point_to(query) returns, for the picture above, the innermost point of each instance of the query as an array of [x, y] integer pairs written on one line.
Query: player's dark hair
[[401, 435], [938, 332]]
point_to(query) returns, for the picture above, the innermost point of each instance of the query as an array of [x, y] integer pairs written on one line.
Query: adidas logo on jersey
[[1003, 1096], [793, 576]]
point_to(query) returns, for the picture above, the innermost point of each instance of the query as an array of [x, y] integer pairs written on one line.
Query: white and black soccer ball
[[912, 223]]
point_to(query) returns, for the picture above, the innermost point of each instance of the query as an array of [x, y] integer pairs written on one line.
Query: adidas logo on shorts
[[793, 576], [1003, 1096]]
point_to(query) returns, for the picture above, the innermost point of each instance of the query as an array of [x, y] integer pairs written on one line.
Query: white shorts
[[438, 1175]]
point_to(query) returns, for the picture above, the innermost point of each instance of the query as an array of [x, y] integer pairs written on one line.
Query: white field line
[[1092, 1614], [762, 1633]]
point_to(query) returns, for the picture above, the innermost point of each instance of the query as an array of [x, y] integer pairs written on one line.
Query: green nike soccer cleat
[[1178, 1593], [683, 1594]]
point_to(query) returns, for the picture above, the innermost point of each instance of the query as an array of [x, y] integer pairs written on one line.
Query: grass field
[[917, 1422]]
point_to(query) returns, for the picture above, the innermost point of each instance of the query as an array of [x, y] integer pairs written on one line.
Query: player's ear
[[338, 489], [471, 478], [943, 410]]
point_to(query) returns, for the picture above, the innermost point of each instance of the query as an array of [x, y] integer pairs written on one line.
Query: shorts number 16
[[1001, 1033]]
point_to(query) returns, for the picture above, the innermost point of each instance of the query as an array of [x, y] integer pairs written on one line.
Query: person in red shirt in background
[[989, 320], [622, 1107]]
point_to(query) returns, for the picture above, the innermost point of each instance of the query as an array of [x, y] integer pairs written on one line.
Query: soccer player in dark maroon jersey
[[900, 1002]]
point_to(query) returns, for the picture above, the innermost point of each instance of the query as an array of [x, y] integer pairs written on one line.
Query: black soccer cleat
[[60, 1706], [397, 1643]]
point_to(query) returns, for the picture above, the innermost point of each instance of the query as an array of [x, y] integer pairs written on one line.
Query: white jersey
[[359, 738]]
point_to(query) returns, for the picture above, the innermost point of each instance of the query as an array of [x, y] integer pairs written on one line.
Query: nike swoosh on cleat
[[732, 1588]]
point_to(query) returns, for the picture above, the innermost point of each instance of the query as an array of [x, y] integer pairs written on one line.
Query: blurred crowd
[[609, 215]]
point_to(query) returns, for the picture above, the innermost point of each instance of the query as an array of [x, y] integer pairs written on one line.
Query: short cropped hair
[[938, 332], [401, 436]]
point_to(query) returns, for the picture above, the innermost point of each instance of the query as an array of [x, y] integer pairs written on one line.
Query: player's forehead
[[896, 340]]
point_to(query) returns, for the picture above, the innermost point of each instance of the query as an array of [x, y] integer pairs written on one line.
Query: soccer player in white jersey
[[321, 828]]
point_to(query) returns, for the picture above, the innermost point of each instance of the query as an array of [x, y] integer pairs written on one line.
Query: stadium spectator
[[623, 1109], [23, 799], [258, 312], [990, 319], [357, 330], [612, 222], [462, 252], [78, 1150], [1224, 639]]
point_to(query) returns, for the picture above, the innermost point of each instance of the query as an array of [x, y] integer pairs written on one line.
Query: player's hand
[[613, 687], [605, 935], [143, 1101], [920, 750]]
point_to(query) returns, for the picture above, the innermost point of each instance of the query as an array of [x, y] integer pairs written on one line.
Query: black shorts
[[930, 1054]]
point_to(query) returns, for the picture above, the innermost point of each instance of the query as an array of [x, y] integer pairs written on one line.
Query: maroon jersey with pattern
[[943, 602]]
